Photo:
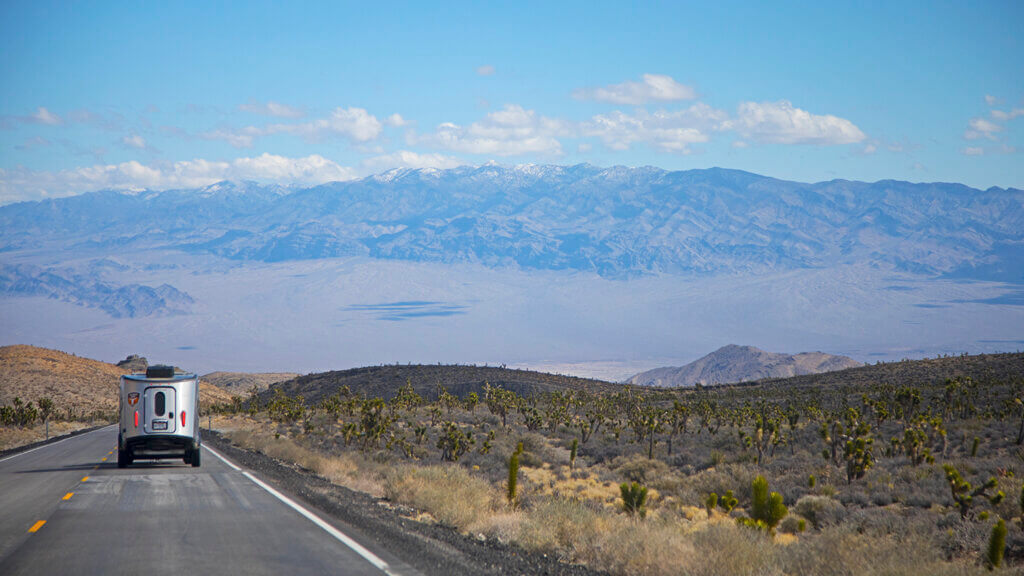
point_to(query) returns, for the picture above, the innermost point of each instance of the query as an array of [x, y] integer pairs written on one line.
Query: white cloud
[[134, 141], [272, 108], [869, 149], [668, 131], [653, 87], [109, 120], [485, 70], [239, 138], [40, 116], [973, 151], [396, 120], [408, 159], [1004, 116], [44, 116], [22, 184], [782, 123], [981, 128], [510, 131], [740, 144], [354, 124], [991, 100], [32, 143]]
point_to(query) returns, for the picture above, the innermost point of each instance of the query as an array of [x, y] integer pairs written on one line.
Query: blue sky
[[148, 95]]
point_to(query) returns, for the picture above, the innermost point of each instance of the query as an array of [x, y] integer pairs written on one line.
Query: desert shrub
[[725, 548], [841, 551], [577, 533], [562, 527], [726, 477], [854, 497], [652, 548], [448, 493], [923, 486], [637, 468], [820, 510], [792, 524]]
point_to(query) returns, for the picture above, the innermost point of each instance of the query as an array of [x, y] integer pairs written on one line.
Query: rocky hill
[[384, 381], [734, 363], [81, 385], [1007, 368], [241, 382]]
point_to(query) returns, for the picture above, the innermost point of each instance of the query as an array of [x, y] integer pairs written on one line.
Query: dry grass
[[346, 469], [13, 436], [451, 494], [575, 515]]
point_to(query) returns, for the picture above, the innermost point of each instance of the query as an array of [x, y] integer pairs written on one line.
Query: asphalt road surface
[[66, 508]]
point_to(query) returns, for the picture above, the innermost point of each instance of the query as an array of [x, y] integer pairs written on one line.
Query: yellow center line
[[109, 453], [104, 459], [37, 526], [68, 496], [85, 479]]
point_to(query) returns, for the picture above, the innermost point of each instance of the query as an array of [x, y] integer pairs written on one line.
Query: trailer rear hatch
[[160, 406]]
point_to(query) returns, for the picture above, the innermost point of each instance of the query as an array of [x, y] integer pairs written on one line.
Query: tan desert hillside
[[82, 384]]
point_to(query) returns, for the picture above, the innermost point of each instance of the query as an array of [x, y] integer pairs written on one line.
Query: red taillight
[[182, 418], [136, 418]]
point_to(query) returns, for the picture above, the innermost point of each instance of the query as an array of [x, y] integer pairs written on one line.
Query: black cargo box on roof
[[160, 371]]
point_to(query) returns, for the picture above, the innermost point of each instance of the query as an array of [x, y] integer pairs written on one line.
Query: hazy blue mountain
[[118, 300], [734, 363], [616, 221]]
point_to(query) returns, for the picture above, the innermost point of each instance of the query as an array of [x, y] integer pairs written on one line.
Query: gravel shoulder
[[426, 548]]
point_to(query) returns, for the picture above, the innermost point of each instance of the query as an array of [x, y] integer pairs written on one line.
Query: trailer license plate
[[160, 425]]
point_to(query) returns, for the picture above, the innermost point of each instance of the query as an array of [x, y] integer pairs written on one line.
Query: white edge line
[[338, 534], [54, 443]]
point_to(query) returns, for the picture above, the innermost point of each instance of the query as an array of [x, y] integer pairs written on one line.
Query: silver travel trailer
[[159, 416]]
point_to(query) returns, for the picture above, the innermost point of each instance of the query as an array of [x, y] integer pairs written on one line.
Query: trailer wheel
[[195, 458], [123, 460], [187, 458]]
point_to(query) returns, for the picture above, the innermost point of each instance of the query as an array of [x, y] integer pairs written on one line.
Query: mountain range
[[734, 363], [617, 222]]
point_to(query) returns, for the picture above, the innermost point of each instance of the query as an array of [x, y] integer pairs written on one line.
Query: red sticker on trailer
[[133, 398]]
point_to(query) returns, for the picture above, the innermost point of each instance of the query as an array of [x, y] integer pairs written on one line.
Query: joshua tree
[[45, 410], [711, 503], [634, 499], [513, 475], [453, 442], [499, 401], [766, 509], [996, 545], [964, 493]]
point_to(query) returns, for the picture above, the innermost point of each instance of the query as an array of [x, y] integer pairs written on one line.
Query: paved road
[[66, 508]]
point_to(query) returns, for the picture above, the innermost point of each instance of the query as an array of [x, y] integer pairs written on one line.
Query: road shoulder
[[428, 548]]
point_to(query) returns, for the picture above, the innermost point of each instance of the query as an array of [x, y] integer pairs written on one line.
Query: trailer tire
[[195, 458], [123, 460]]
